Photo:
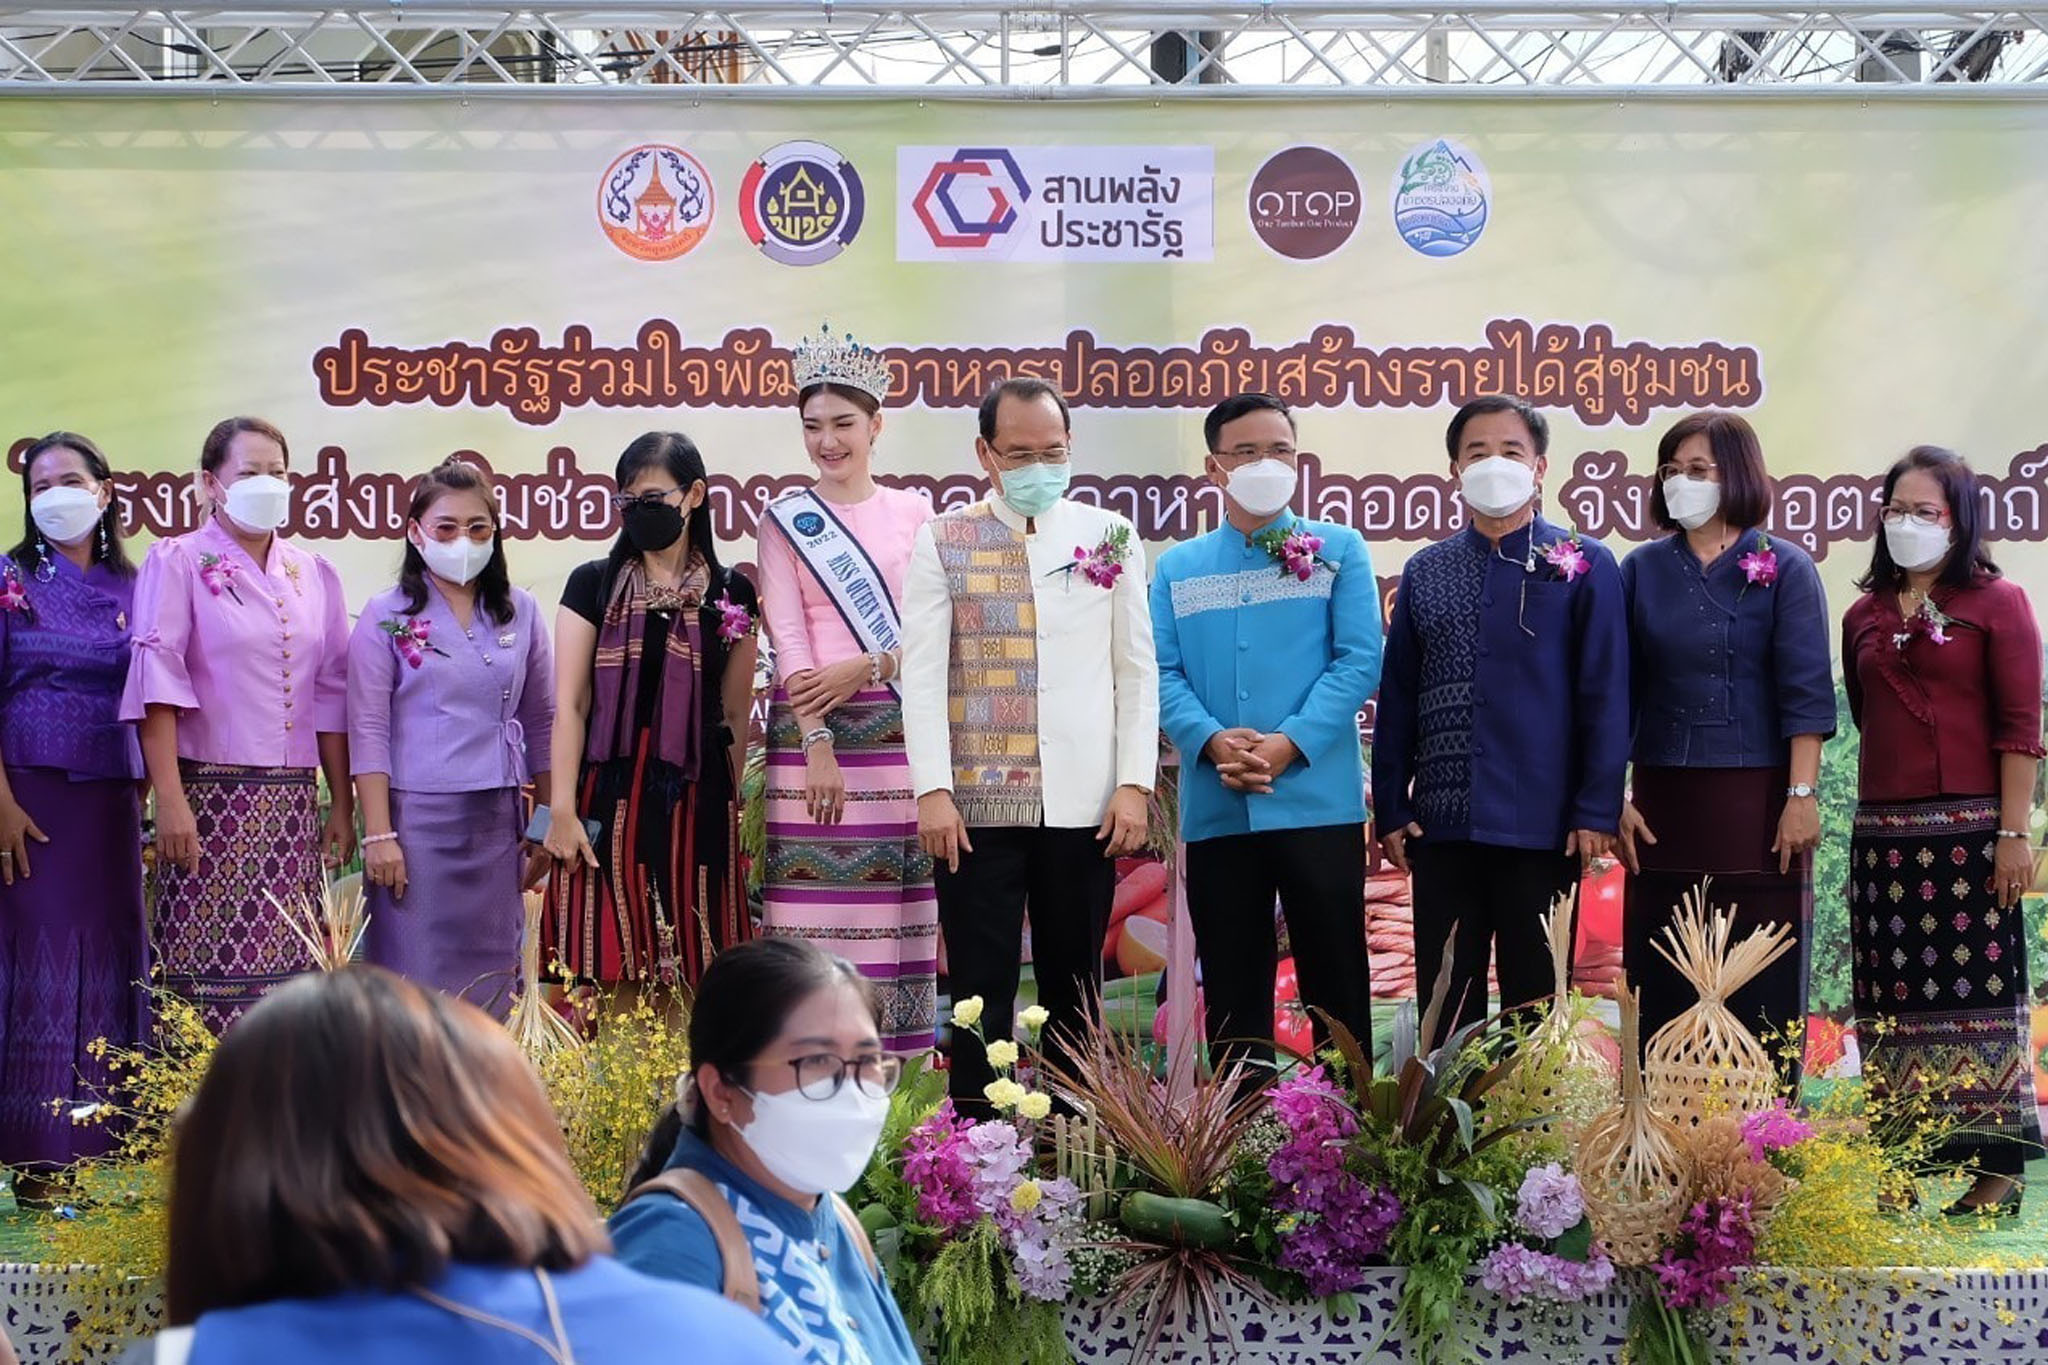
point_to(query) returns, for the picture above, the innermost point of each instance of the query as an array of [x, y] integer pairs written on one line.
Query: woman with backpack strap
[[739, 1188]]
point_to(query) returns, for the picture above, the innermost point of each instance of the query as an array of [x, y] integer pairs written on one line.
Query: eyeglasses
[[1919, 516], [1691, 471], [820, 1075], [1245, 454], [1017, 459], [621, 501]]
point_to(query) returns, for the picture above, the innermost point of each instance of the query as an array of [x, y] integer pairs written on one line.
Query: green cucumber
[[1183, 1222]]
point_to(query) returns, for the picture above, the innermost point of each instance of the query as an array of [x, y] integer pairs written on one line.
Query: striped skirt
[[1935, 954], [861, 888], [222, 943]]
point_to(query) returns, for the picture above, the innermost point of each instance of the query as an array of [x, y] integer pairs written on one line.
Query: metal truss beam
[[1048, 48]]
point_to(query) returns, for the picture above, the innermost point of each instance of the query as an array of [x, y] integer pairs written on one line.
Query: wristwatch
[[1799, 789]]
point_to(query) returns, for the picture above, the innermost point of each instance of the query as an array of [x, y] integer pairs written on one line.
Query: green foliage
[[1828, 991], [978, 1320]]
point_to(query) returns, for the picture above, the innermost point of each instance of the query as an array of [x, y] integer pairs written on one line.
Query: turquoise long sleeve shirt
[[1243, 642]]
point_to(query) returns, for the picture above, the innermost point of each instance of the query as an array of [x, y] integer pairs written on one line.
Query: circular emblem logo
[[1304, 203], [655, 202], [1441, 198], [808, 523], [801, 203]]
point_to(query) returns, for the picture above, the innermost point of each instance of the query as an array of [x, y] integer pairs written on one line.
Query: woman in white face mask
[[450, 712], [239, 678], [1733, 697], [70, 825], [739, 1188], [1942, 658]]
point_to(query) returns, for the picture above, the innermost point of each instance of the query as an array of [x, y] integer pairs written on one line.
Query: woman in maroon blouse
[[1942, 659]]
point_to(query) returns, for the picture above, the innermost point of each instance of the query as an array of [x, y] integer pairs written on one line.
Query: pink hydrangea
[[1516, 1272], [1550, 1202]]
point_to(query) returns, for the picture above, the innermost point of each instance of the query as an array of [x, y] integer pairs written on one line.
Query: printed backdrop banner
[[538, 280]]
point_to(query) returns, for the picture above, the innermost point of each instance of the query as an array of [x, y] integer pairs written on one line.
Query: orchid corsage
[[1568, 557], [411, 636], [1759, 567], [1928, 619], [218, 573], [735, 622], [14, 595], [1297, 551], [1104, 564]]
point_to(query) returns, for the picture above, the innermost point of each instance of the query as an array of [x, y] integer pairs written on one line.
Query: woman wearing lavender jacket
[[451, 707]]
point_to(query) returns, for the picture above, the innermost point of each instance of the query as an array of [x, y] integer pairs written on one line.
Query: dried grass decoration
[[1632, 1162], [1559, 1073], [1705, 1062], [331, 928], [535, 1025]]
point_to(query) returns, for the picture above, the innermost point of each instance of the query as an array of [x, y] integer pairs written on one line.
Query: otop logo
[[971, 198], [1304, 203]]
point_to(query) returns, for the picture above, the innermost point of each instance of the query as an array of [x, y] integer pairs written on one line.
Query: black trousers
[[1061, 880], [1495, 897], [1319, 875]]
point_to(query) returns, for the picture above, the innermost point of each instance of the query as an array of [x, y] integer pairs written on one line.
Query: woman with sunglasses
[[785, 1100], [654, 677], [1942, 660]]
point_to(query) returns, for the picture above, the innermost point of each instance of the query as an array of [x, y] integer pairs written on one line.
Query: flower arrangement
[[735, 622], [608, 1092], [14, 595], [1554, 1258], [1332, 1222], [1104, 564], [413, 638], [979, 1236], [1298, 552], [1568, 557], [218, 574]]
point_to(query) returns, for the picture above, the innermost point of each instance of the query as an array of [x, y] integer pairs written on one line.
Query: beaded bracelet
[[391, 837], [2012, 834], [821, 735], [874, 670]]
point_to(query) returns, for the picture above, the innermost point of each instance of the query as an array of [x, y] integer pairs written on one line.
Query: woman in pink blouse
[[450, 710], [239, 677], [844, 869]]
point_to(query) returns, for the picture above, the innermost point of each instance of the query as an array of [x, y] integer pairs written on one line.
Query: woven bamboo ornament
[[534, 1024], [1631, 1161], [1560, 1073], [1705, 1061]]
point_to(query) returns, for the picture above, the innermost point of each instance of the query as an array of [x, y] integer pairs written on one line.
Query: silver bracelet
[[2012, 834], [821, 735], [874, 670], [369, 839]]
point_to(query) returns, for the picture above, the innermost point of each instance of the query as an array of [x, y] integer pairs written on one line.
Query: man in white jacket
[[1031, 718]]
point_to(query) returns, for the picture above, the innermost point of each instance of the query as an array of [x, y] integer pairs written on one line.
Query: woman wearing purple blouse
[[240, 680], [73, 949], [450, 712]]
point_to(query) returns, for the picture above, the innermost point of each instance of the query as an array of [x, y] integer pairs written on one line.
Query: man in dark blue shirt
[[1503, 728]]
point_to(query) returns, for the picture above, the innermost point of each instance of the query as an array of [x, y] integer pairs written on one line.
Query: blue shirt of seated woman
[[786, 1104]]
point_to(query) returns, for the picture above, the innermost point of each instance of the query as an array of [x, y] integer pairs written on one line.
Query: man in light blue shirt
[[1267, 631]]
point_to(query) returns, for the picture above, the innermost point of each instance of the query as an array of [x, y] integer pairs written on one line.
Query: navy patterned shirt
[[1504, 703]]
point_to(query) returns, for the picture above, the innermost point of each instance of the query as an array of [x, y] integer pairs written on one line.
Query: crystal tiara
[[826, 359]]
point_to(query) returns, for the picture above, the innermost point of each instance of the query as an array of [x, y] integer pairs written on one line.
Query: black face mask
[[653, 527]]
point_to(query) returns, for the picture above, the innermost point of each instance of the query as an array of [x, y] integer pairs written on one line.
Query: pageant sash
[[843, 569]]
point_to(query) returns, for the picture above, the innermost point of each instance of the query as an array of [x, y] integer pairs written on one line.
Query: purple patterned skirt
[[1935, 954], [74, 962], [223, 945]]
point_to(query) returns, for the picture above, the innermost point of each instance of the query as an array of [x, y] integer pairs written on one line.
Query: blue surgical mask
[[1032, 490]]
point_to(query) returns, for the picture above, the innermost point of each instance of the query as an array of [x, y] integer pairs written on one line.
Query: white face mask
[[458, 560], [1914, 546], [817, 1146], [1497, 486], [1262, 487], [66, 515], [1691, 502], [259, 503]]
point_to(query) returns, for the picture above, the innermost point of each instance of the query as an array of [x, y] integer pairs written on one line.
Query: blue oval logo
[[808, 523]]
